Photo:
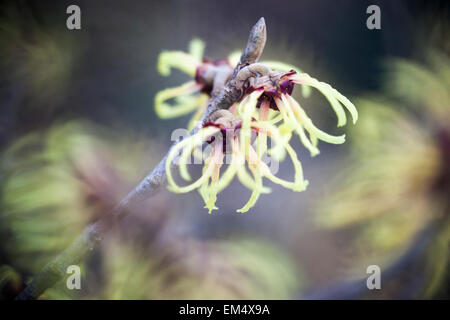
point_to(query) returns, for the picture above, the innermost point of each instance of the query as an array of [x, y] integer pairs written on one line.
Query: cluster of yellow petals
[[246, 163], [188, 97], [252, 115]]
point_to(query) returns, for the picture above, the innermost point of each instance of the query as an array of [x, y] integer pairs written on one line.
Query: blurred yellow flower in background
[[57, 181], [40, 60], [54, 183], [397, 183], [237, 268]]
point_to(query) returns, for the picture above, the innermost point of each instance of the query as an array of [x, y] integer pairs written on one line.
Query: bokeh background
[[78, 130]]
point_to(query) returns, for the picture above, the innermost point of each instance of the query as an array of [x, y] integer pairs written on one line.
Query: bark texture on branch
[[227, 89]]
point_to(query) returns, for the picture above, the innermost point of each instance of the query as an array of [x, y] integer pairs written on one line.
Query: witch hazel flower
[[193, 96], [277, 88], [265, 112], [227, 134]]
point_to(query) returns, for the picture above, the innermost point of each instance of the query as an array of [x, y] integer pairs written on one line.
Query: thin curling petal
[[226, 177], [203, 190], [264, 111], [348, 104], [262, 135], [253, 198], [332, 95], [210, 192], [178, 60], [279, 149], [247, 107], [248, 181], [255, 193], [275, 117], [183, 106], [340, 113], [205, 176], [290, 119], [204, 193], [241, 106], [307, 123], [241, 171], [196, 48], [172, 186], [231, 171], [299, 183], [186, 154]]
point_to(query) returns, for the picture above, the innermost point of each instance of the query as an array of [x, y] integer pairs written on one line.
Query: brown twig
[[224, 94]]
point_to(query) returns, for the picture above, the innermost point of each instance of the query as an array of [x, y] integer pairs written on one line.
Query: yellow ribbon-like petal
[[196, 49], [289, 119], [307, 122], [179, 60], [190, 142], [255, 193], [185, 101], [332, 95]]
